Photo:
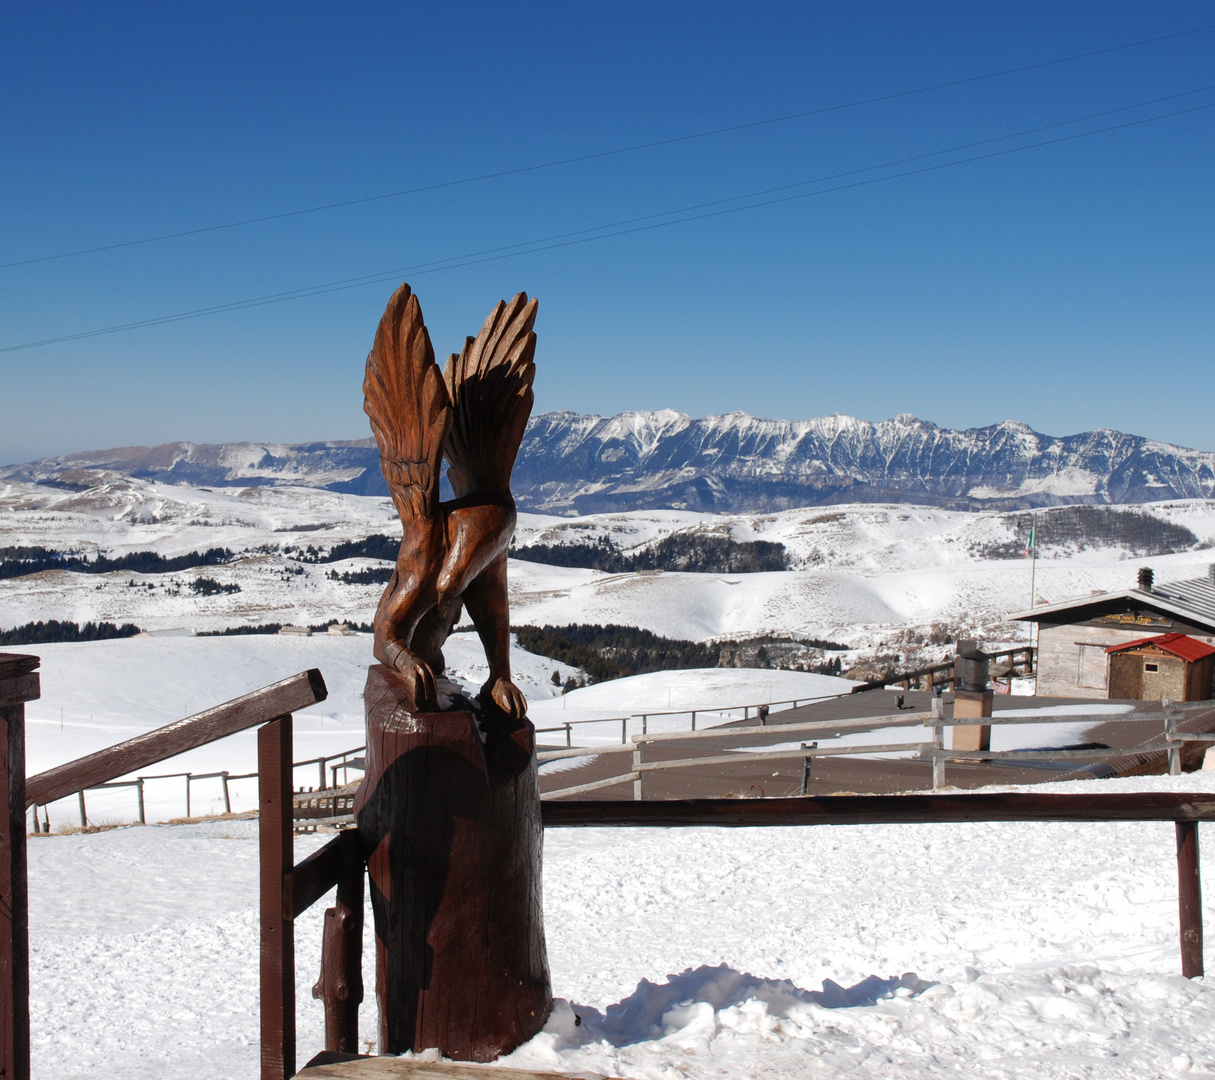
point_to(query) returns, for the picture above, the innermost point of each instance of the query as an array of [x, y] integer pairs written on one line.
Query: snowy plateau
[[983, 950]]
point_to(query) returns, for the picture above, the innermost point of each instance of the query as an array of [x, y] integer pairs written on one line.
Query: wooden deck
[[392, 1068]]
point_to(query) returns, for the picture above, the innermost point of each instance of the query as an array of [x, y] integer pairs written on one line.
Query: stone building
[[1073, 636]]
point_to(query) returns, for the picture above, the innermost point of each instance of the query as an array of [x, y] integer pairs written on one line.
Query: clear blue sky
[[1069, 286]]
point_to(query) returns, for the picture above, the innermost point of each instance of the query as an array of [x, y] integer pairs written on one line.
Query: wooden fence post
[[1189, 899], [277, 860], [18, 684], [340, 986]]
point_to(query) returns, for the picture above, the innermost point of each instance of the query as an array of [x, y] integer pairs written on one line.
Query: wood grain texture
[[340, 986], [14, 664], [316, 875], [19, 688], [1189, 899], [250, 710], [449, 821], [276, 862], [885, 809], [14, 901], [452, 555], [389, 1068]]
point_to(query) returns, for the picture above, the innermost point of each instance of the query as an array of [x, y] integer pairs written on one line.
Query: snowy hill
[[871, 576], [570, 463]]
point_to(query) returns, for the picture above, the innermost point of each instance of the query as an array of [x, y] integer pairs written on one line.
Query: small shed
[[1170, 667]]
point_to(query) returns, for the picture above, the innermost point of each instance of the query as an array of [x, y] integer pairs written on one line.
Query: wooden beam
[[393, 1068], [18, 684], [277, 699], [14, 901], [316, 875], [1189, 899], [885, 809], [340, 986], [275, 841]]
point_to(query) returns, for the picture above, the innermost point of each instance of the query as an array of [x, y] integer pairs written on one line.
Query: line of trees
[[613, 651], [376, 546], [1084, 527], [694, 553], [274, 628], [53, 632], [22, 561], [371, 575]]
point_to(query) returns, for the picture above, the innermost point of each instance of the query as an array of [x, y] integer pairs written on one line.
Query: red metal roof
[[1187, 648]]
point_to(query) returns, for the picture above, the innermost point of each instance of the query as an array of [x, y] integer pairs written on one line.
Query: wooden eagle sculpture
[[453, 554]]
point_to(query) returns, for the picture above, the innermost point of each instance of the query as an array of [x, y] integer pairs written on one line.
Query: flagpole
[[1033, 574], [1033, 556]]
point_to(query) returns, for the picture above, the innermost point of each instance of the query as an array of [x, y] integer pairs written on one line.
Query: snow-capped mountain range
[[578, 464]]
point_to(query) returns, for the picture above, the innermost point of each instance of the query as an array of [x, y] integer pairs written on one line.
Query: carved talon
[[508, 697], [415, 672]]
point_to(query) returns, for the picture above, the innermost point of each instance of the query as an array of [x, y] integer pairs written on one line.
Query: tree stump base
[[449, 821]]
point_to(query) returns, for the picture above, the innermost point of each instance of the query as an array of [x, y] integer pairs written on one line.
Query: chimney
[[1211, 573], [1145, 579]]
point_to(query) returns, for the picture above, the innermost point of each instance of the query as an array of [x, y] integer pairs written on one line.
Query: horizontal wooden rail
[[863, 723], [884, 809], [1049, 754], [1186, 810], [933, 669], [743, 757], [318, 873], [1175, 713], [595, 785], [278, 699]]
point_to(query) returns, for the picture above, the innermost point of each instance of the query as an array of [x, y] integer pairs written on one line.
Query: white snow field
[[95, 694], [985, 950], [861, 573]]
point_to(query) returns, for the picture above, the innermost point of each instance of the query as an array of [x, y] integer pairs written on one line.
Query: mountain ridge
[[572, 463]]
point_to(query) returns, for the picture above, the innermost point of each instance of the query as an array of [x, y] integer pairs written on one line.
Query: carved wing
[[410, 411], [490, 386]]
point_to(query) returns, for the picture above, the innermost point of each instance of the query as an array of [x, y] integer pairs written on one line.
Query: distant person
[[898, 702], [763, 714]]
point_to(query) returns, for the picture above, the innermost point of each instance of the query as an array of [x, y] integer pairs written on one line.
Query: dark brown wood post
[[277, 910], [18, 684], [340, 986], [1189, 899], [449, 820]]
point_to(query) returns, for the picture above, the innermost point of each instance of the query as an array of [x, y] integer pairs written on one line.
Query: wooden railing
[[286, 890], [306, 801], [762, 710], [1170, 744], [1185, 810], [929, 674]]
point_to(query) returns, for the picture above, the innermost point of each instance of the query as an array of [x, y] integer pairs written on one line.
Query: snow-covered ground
[[95, 694], [862, 574], [98, 693], [982, 950], [987, 950]]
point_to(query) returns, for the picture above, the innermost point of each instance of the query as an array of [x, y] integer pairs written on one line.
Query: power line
[[876, 99], [628, 226]]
